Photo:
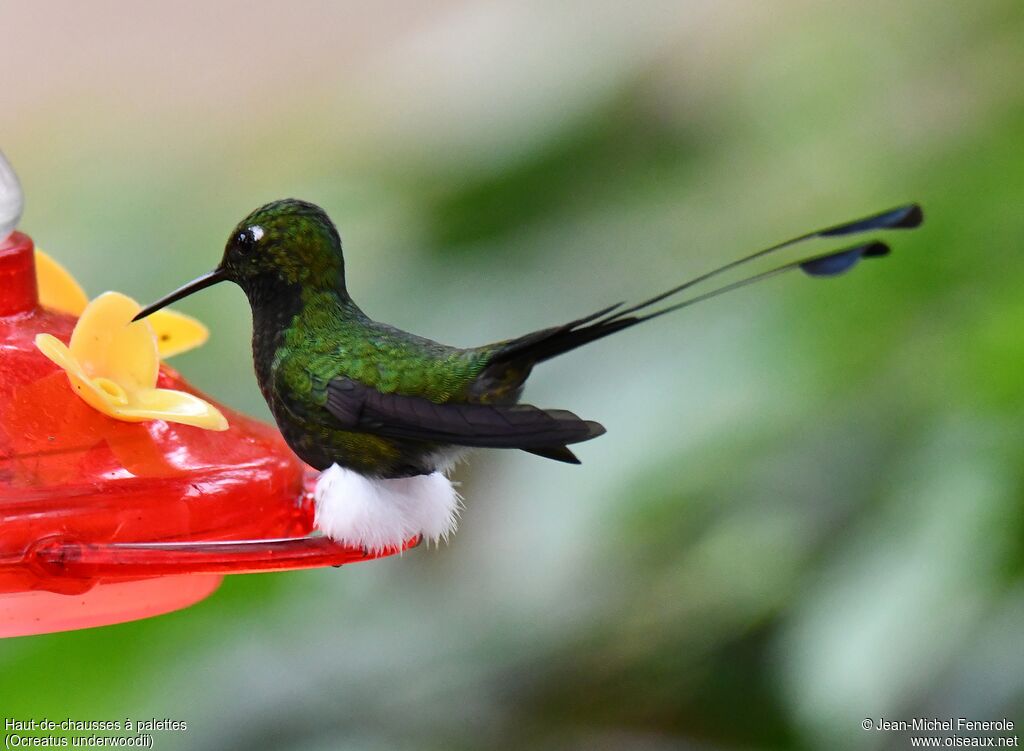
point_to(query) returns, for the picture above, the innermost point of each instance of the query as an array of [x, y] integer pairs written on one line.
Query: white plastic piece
[[12, 201]]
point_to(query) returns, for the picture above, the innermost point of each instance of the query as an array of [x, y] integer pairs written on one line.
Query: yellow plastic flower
[[175, 332], [113, 365]]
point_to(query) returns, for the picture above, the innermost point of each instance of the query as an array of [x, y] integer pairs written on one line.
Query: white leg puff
[[376, 513]]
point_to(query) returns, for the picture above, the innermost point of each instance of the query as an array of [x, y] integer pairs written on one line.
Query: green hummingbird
[[383, 412]]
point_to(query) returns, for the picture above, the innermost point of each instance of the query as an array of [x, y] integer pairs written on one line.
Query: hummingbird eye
[[247, 238]]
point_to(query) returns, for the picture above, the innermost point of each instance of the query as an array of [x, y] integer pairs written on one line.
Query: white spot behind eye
[[257, 232]]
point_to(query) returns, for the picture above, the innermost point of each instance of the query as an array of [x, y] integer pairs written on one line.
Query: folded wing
[[364, 409]]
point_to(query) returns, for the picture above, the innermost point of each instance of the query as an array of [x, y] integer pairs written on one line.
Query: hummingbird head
[[282, 246], [288, 242]]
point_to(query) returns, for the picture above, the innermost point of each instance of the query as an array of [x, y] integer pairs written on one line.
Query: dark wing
[[558, 453], [364, 409]]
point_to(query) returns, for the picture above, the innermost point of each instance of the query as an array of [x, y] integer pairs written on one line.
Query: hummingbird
[[383, 413]]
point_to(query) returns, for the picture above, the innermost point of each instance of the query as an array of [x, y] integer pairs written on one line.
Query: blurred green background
[[807, 509]]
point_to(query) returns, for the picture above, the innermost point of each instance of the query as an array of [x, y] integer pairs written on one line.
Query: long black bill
[[206, 280]]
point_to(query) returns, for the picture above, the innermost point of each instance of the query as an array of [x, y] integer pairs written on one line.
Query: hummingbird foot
[[380, 513]]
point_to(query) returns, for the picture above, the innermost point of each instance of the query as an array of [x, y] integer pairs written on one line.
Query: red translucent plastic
[[103, 521]]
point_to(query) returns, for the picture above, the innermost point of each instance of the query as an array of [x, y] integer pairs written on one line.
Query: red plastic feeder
[[103, 521]]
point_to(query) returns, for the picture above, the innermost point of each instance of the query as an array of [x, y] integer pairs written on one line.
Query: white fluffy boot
[[376, 514]]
